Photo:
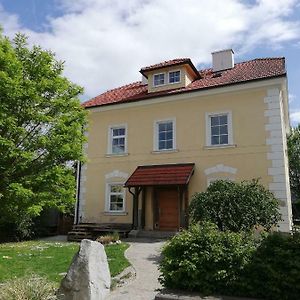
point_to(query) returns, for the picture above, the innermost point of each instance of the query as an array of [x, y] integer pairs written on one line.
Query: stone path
[[144, 255]]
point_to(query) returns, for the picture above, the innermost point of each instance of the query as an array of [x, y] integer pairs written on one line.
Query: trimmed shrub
[[28, 288], [274, 269], [235, 206], [205, 259]]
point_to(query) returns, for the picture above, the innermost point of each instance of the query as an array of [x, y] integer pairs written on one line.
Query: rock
[[88, 277]]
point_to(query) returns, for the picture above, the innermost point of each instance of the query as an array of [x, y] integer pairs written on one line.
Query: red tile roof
[[166, 63], [257, 69], [172, 174]]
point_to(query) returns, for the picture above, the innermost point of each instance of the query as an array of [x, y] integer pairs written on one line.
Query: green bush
[[28, 288], [205, 259], [274, 270], [235, 206], [210, 261]]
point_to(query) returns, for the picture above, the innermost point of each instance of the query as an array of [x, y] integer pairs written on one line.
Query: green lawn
[[50, 259]]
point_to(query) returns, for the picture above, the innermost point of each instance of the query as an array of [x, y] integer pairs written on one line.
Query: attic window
[[174, 76], [159, 79]]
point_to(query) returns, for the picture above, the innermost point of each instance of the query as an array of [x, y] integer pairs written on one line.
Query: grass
[[50, 259]]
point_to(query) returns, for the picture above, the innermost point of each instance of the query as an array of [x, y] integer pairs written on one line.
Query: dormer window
[[159, 79], [174, 76]]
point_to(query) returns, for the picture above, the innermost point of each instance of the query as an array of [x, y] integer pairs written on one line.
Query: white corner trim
[[109, 137], [220, 168], [276, 142], [116, 173], [155, 134], [208, 127]]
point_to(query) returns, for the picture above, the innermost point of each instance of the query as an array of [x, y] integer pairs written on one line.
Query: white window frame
[[108, 194], [208, 128], [173, 71], [110, 138], [156, 134], [156, 85]]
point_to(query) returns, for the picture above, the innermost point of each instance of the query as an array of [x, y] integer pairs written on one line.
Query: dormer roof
[[170, 63]]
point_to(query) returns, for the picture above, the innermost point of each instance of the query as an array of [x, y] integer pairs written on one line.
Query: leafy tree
[[41, 124], [235, 206], [294, 160]]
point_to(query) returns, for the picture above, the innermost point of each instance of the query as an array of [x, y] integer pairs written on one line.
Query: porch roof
[[167, 174]]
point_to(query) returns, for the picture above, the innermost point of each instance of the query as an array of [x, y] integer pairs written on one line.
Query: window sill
[[116, 154], [115, 213], [219, 146], [164, 151]]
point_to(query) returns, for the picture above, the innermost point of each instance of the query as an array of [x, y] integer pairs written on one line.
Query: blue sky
[[104, 43]]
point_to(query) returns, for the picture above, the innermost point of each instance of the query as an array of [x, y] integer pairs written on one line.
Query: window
[[218, 129], [165, 135], [116, 197], [159, 79], [117, 139], [174, 77]]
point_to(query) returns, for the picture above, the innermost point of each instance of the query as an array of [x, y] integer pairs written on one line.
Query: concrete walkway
[[144, 255]]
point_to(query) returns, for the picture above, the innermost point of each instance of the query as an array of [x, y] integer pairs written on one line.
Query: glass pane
[[115, 132], [161, 145], [162, 127], [223, 129], [115, 142], [169, 126], [224, 139], [118, 149], [116, 188], [122, 131], [223, 119], [215, 130], [214, 121], [162, 136], [169, 135], [169, 144], [215, 140]]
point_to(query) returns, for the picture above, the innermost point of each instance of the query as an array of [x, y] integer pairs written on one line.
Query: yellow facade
[[245, 158]]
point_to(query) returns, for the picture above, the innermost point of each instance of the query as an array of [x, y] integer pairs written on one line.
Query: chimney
[[222, 60]]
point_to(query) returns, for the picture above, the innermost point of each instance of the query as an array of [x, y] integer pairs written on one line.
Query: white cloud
[[106, 42], [295, 117]]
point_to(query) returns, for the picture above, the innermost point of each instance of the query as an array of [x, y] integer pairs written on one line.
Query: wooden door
[[168, 209]]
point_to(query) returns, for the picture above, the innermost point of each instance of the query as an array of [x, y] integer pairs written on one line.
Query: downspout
[[76, 219]]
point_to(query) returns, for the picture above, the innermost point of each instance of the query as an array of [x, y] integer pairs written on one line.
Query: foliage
[[235, 206], [205, 259], [41, 124], [274, 269], [28, 288], [293, 143]]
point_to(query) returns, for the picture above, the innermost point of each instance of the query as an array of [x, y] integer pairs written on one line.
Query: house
[[153, 143]]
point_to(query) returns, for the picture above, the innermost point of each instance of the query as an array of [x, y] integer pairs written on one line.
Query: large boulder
[[88, 277]]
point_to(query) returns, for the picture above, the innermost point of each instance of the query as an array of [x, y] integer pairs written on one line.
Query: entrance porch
[[160, 196]]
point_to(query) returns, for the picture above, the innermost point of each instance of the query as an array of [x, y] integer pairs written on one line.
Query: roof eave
[[185, 91]]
